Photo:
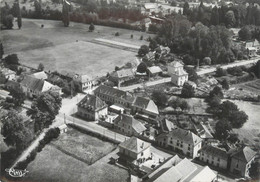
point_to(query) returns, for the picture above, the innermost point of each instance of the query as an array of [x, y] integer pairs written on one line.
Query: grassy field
[[51, 165], [83, 147], [69, 48], [67, 159], [250, 131]]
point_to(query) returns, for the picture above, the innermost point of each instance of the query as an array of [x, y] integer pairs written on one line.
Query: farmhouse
[[84, 81], [6, 74], [92, 108], [121, 76], [134, 151], [40, 75], [177, 169], [145, 106], [178, 75], [182, 141], [128, 125], [241, 160], [214, 156], [33, 86]]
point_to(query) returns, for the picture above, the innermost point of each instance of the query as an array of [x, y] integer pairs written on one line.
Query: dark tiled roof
[[215, 151], [244, 154], [141, 102], [92, 102], [135, 145], [185, 136], [32, 83], [113, 92]]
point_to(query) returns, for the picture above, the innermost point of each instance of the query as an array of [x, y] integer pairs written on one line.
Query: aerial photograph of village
[[130, 90]]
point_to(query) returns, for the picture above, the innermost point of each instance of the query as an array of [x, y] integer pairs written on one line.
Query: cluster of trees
[[249, 32], [160, 98], [16, 100], [44, 110], [8, 14], [196, 43], [179, 103], [233, 16], [227, 113], [188, 90]]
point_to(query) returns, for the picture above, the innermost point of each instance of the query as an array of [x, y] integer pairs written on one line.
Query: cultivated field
[[69, 48], [83, 147], [52, 164]]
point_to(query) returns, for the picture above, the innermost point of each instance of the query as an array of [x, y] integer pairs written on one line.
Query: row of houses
[[175, 69], [136, 152]]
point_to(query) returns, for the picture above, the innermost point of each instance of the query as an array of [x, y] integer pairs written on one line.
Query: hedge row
[[51, 134]]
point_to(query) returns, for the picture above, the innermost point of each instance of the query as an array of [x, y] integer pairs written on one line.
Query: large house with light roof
[[92, 108], [182, 141], [134, 151], [176, 169], [178, 75]]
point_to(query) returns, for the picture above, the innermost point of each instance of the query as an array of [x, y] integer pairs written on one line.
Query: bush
[[117, 34]]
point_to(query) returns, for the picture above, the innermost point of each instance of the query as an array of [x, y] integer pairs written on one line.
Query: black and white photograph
[[130, 90]]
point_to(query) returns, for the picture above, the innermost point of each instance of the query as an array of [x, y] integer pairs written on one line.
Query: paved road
[[200, 72], [237, 63]]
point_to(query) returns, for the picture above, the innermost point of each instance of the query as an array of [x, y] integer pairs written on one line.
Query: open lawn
[[52, 165], [69, 48], [81, 146], [250, 131]]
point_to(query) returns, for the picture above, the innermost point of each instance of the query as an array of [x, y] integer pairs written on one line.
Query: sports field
[[70, 48]]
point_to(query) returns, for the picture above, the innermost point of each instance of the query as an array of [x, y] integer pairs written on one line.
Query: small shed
[[63, 128], [154, 70]]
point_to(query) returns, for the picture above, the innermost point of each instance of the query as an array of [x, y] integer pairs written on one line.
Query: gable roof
[[92, 102], [135, 145], [185, 136], [145, 103], [6, 71], [215, 151], [167, 125], [129, 119], [186, 171], [155, 69], [245, 154], [175, 64], [35, 84], [122, 73], [40, 75]]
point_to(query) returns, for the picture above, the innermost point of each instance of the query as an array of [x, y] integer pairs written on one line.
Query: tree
[[228, 110], [159, 98], [220, 72], [1, 50], [12, 59], [19, 16], [214, 19], [142, 68], [153, 44], [186, 8], [230, 18], [15, 132], [216, 92], [187, 90], [44, 109], [91, 27], [40, 67], [225, 84], [144, 49], [38, 9], [222, 129], [65, 13], [193, 76], [256, 69], [18, 96], [8, 21], [245, 33], [141, 37]]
